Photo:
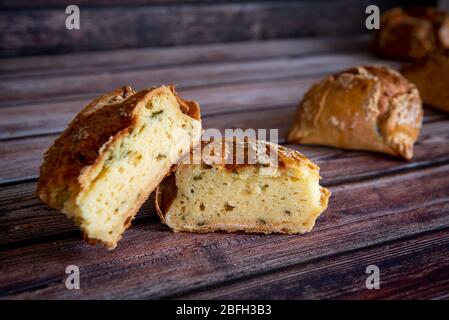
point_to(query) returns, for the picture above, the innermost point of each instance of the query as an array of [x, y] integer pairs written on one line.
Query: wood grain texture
[[95, 3], [383, 210], [87, 62], [24, 217], [22, 157], [150, 252], [50, 117], [414, 268], [64, 3], [34, 107], [128, 26], [37, 87]]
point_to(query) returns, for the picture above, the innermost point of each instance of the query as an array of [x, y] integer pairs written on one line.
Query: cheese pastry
[[279, 193], [431, 77], [364, 108], [115, 152], [412, 33]]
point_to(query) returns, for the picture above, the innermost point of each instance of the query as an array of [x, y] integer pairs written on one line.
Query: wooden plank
[[31, 4], [415, 268], [127, 26], [22, 157], [37, 87], [145, 58], [393, 207], [50, 117], [63, 3], [25, 218], [38, 118]]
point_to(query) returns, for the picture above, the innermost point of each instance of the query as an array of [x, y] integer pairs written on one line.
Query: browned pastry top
[[79, 146], [431, 75], [363, 108], [235, 155], [411, 33], [438, 57]]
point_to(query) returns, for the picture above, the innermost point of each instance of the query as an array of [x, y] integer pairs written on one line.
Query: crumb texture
[[251, 198], [120, 158]]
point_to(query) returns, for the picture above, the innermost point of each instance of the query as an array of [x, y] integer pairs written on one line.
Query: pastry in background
[[412, 33], [364, 108], [115, 152], [273, 194], [431, 77]]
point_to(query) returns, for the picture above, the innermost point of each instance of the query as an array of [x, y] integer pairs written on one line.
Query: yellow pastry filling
[[132, 167], [213, 198]]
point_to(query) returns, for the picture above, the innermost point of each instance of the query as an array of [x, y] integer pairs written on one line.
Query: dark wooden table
[[383, 211]]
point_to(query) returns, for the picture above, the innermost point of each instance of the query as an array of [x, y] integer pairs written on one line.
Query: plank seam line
[[189, 3], [339, 225], [66, 235], [362, 177], [356, 42], [16, 181], [138, 221], [320, 52], [288, 267], [223, 283], [390, 172], [94, 94], [205, 116]]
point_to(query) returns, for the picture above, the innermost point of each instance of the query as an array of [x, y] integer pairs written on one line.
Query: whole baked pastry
[[412, 33], [115, 152], [277, 192], [364, 108], [431, 76]]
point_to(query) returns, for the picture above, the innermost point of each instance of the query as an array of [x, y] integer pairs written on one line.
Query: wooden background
[[38, 27], [383, 210]]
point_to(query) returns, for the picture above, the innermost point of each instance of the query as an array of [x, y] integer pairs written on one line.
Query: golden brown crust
[[236, 154], [190, 108], [431, 76], [408, 34], [364, 108], [79, 145], [81, 148], [276, 156]]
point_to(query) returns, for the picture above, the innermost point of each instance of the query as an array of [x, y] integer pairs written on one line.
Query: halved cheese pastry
[[370, 108], [411, 33], [276, 193], [115, 152]]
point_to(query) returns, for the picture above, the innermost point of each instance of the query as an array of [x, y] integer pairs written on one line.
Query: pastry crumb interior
[[132, 167], [213, 198]]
